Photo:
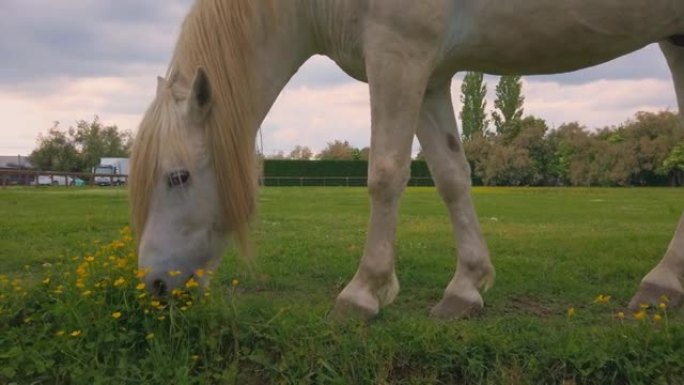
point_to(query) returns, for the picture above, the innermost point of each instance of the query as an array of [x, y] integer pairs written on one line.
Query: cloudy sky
[[69, 60]]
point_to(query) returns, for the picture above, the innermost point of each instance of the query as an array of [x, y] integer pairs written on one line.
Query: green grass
[[553, 248]]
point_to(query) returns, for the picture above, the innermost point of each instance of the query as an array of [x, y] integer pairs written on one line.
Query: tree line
[[508, 148]]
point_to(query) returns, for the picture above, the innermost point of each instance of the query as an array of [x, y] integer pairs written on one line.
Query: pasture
[[559, 254]]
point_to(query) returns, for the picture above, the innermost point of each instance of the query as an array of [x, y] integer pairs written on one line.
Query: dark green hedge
[[330, 173]]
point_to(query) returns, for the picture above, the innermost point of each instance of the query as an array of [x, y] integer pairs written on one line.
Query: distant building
[[12, 164]]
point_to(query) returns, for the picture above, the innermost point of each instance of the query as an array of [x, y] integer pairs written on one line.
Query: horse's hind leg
[[438, 136], [665, 278]]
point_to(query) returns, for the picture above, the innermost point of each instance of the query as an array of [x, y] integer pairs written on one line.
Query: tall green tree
[[56, 152], [473, 115], [509, 105], [80, 148], [94, 141]]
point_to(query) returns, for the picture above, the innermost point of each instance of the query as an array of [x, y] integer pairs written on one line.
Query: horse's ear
[[161, 84], [199, 102]]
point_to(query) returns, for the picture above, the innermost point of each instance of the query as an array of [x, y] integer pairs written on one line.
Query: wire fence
[[70, 179], [331, 181]]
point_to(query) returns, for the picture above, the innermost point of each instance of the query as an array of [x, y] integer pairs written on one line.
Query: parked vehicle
[[54, 180], [111, 172]]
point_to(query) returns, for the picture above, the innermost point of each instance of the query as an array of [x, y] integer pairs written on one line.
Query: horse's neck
[[283, 43]]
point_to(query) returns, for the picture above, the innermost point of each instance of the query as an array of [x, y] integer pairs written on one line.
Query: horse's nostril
[[159, 287]]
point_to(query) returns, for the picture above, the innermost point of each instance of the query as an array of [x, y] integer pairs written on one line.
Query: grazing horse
[[193, 172]]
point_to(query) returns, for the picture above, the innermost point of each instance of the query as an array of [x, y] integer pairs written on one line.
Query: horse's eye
[[178, 178]]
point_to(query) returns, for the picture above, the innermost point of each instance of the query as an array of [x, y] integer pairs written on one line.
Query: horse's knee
[[387, 178]]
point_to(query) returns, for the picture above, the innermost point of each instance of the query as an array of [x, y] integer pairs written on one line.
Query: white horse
[[193, 175]]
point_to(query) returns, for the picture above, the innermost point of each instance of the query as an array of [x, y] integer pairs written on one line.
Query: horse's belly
[[529, 37]]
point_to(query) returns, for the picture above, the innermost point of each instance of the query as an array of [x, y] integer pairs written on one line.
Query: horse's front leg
[[398, 69]]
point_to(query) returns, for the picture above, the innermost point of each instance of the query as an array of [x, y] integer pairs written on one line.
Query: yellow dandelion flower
[[189, 303], [121, 263], [141, 273], [234, 283], [664, 298], [174, 273], [46, 280], [620, 315], [662, 306], [116, 315], [142, 296], [120, 281], [86, 293], [149, 336], [191, 284], [161, 317], [640, 316], [155, 304], [184, 308], [176, 292], [89, 258], [75, 333], [571, 312], [79, 284], [644, 306], [140, 286], [112, 258], [657, 318], [200, 273], [60, 333], [602, 298]]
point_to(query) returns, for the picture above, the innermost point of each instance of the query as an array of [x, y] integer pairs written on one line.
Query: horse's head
[[175, 202]]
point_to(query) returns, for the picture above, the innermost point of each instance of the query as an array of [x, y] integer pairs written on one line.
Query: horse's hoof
[[455, 307], [349, 309], [653, 294]]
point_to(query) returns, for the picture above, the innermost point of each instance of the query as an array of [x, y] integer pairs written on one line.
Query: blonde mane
[[215, 36]]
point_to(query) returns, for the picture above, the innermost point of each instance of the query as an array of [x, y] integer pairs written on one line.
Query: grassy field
[[555, 251]]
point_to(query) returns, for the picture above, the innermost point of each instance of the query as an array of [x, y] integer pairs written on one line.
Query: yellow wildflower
[[140, 286], [141, 273], [200, 273], [174, 273], [79, 284], [602, 298], [116, 315], [149, 336], [191, 283], [620, 315], [60, 333], [664, 298], [640, 316], [176, 292], [143, 295], [121, 263], [75, 333], [644, 306], [86, 293], [657, 318], [155, 304], [195, 358], [662, 306], [89, 258], [119, 281], [234, 283], [161, 317], [184, 308], [571, 312], [46, 280]]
